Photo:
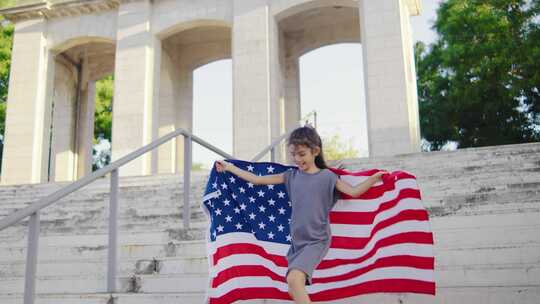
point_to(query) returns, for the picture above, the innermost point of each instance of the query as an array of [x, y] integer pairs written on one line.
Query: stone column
[[184, 113], [85, 132], [167, 119], [256, 78], [136, 93], [64, 119], [28, 115], [390, 83], [292, 107]]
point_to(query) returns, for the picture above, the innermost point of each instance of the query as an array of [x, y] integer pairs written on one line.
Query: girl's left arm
[[346, 188]]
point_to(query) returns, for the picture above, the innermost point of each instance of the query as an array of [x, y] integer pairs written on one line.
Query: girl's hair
[[307, 136]]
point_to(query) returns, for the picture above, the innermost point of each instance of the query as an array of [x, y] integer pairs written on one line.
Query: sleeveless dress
[[312, 196]]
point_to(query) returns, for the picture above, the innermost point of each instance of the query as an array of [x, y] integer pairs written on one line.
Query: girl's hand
[[223, 166], [378, 176]]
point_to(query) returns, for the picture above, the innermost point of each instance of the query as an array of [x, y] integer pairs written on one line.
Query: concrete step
[[127, 266], [463, 294], [134, 250]]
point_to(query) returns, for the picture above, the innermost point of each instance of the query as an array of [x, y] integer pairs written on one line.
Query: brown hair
[[308, 136]]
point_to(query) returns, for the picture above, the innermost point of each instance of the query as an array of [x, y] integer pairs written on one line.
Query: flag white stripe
[[333, 253], [370, 205], [420, 250], [376, 274], [362, 231]]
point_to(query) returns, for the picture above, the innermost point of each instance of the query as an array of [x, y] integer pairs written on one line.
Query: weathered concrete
[[484, 206]]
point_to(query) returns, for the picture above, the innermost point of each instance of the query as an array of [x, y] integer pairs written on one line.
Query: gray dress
[[312, 196]]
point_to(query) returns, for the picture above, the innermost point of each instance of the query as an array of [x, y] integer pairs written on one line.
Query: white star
[[214, 185], [228, 218], [243, 206], [220, 228], [218, 211], [236, 210], [261, 208], [250, 185], [270, 235], [232, 179], [251, 199], [214, 233], [261, 193], [290, 204], [289, 237], [250, 168], [234, 196], [262, 225], [226, 202], [280, 227], [270, 187], [238, 226], [281, 194], [242, 190], [289, 221], [281, 210], [224, 186], [271, 202], [252, 216], [271, 218], [270, 169]]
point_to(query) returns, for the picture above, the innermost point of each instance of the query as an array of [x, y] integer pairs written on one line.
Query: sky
[[328, 73]]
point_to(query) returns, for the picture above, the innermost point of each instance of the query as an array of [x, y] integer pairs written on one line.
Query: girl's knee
[[296, 277]]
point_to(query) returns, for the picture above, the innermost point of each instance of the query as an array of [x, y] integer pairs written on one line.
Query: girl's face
[[303, 156]]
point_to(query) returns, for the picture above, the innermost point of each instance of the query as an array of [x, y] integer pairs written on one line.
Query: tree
[[103, 114], [335, 149], [479, 83], [6, 43], [103, 123]]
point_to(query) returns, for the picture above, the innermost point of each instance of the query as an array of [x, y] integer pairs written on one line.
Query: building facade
[[61, 48]]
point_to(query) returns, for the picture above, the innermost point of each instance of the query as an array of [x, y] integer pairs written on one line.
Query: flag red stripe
[[262, 271], [366, 218], [278, 260], [387, 285], [401, 238], [345, 242]]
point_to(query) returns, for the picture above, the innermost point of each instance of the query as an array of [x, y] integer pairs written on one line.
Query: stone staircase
[[484, 205]]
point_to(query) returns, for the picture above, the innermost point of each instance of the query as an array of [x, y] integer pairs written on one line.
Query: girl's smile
[[304, 158]]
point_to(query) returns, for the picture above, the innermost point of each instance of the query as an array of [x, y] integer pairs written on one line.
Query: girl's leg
[[296, 279]]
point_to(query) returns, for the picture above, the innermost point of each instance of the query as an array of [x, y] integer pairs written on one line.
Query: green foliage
[[6, 43], [103, 114], [479, 83], [335, 149]]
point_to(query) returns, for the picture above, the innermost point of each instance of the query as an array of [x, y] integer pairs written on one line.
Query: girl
[[313, 191]]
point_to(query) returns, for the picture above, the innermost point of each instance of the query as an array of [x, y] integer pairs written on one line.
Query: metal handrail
[[271, 148], [48, 200], [33, 210]]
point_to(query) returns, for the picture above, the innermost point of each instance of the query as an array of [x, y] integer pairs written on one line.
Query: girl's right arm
[[272, 179]]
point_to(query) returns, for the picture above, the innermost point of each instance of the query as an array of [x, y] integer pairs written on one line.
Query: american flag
[[381, 240]]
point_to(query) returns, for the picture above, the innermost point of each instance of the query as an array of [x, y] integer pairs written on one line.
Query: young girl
[[313, 191]]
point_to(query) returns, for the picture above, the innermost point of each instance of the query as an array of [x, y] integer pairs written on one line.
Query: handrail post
[[187, 179], [113, 233], [31, 259], [273, 154]]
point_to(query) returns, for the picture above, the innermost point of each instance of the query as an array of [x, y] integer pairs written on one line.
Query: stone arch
[[290, 8], [305, 26], [185, 47], [79, 62], [72, 42]]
